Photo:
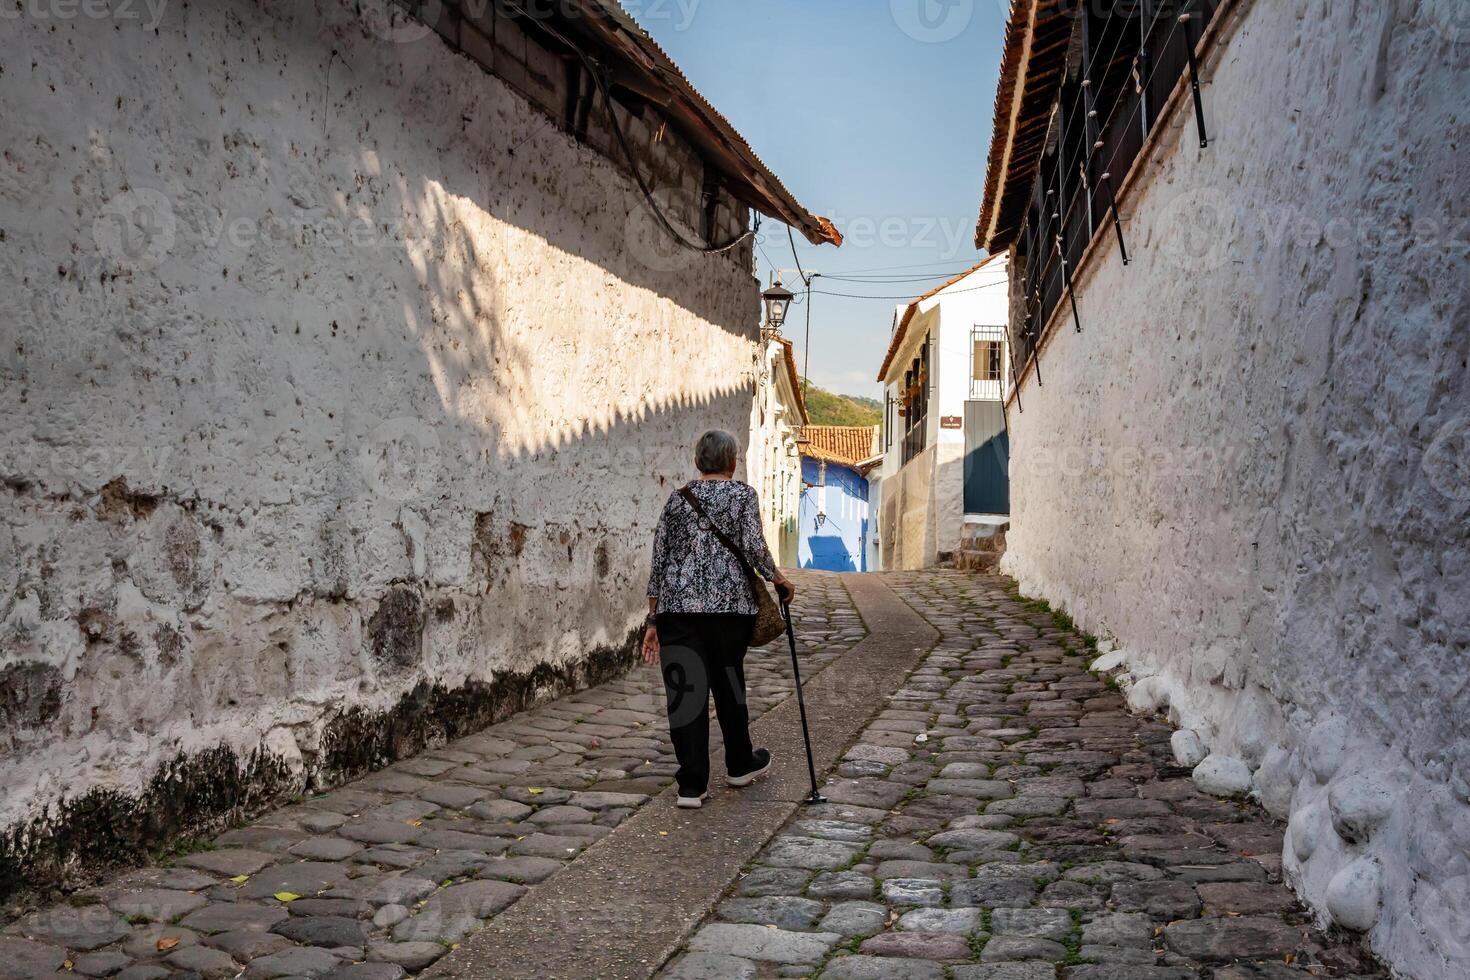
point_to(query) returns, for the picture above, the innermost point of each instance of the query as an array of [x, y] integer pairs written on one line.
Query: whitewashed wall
[[1251, 466], [773, 466], [371, 418], [927, 495]]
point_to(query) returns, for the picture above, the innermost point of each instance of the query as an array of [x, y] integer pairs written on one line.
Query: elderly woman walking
[[701, 613]]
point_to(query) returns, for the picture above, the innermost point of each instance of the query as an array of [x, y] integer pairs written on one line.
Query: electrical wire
[[919, 265], [791, 237], [910, 297], [612, 117], [886, 281]]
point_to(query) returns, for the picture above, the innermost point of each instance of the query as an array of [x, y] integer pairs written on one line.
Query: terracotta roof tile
[[845, 444], [1032, 69]]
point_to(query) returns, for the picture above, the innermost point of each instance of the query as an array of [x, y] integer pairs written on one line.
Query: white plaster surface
[[927, 494], [773, 465], [1250, 466], [377, 325]]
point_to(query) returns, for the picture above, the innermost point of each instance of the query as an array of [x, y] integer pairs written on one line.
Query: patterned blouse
[[692, 571]]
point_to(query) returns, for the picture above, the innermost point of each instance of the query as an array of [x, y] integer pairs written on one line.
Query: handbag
[[769, 622]]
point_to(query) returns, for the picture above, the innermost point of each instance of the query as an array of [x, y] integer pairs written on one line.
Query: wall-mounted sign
[[951, 421]]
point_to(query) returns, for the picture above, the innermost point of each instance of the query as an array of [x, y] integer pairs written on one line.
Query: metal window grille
[[987, 363], [1133, 53]]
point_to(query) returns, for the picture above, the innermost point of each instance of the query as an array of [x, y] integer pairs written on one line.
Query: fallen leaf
[[66, 964], [454, 946], [414, 823], [663, 833], [168, 942], [240, 879], [535, 791], [285, 896]]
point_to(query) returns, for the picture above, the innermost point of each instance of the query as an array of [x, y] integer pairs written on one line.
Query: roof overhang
[[1033, 66], [788, 356], [637, 64]]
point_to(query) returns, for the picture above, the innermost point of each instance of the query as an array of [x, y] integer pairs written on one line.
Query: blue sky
[[875, 113]]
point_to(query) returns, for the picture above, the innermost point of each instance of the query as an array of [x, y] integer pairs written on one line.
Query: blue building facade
[[833, 526]]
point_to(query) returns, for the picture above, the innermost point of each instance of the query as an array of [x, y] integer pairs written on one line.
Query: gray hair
[[716, 452]]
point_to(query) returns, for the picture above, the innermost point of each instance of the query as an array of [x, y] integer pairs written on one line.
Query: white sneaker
[[692, 802], [762, 759]]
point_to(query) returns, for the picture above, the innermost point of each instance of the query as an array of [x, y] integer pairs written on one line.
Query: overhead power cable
[[919, 265], [887, 281], [806, 354], [909, 296]]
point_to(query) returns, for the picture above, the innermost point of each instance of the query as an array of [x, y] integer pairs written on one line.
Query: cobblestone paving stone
[[378, 879], [1005, 818]]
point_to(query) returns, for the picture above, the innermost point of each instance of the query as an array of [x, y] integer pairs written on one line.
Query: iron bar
[[1107, 179], [1199, 103], [1067, 277]]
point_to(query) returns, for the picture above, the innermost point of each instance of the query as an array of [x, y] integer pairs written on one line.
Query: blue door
[[987, 459]]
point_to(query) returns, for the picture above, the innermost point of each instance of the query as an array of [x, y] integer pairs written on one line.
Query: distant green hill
[[825, 408]]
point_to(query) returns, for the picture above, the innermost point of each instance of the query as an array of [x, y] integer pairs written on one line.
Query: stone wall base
[[76, 842]]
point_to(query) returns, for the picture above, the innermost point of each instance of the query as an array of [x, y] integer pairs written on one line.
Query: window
[[987, 361]]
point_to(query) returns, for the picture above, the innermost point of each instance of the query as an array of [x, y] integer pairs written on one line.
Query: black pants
[[704, 654]]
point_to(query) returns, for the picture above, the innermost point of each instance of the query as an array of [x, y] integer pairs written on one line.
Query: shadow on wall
[[328, 488], [829, 553]]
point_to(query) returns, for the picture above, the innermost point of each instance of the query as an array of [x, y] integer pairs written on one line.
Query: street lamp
[[777, 299]]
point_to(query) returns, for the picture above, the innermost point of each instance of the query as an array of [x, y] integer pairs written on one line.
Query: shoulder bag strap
[[693, 501]]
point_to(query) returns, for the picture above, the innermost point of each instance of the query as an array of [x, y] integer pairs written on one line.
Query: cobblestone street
[[396, 868], [1005, 818], [1001, 817]]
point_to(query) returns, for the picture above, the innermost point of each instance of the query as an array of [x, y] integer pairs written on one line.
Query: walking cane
[[811, 767]]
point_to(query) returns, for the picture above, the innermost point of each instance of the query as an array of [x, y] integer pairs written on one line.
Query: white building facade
[[773, 461], [947, 359]]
